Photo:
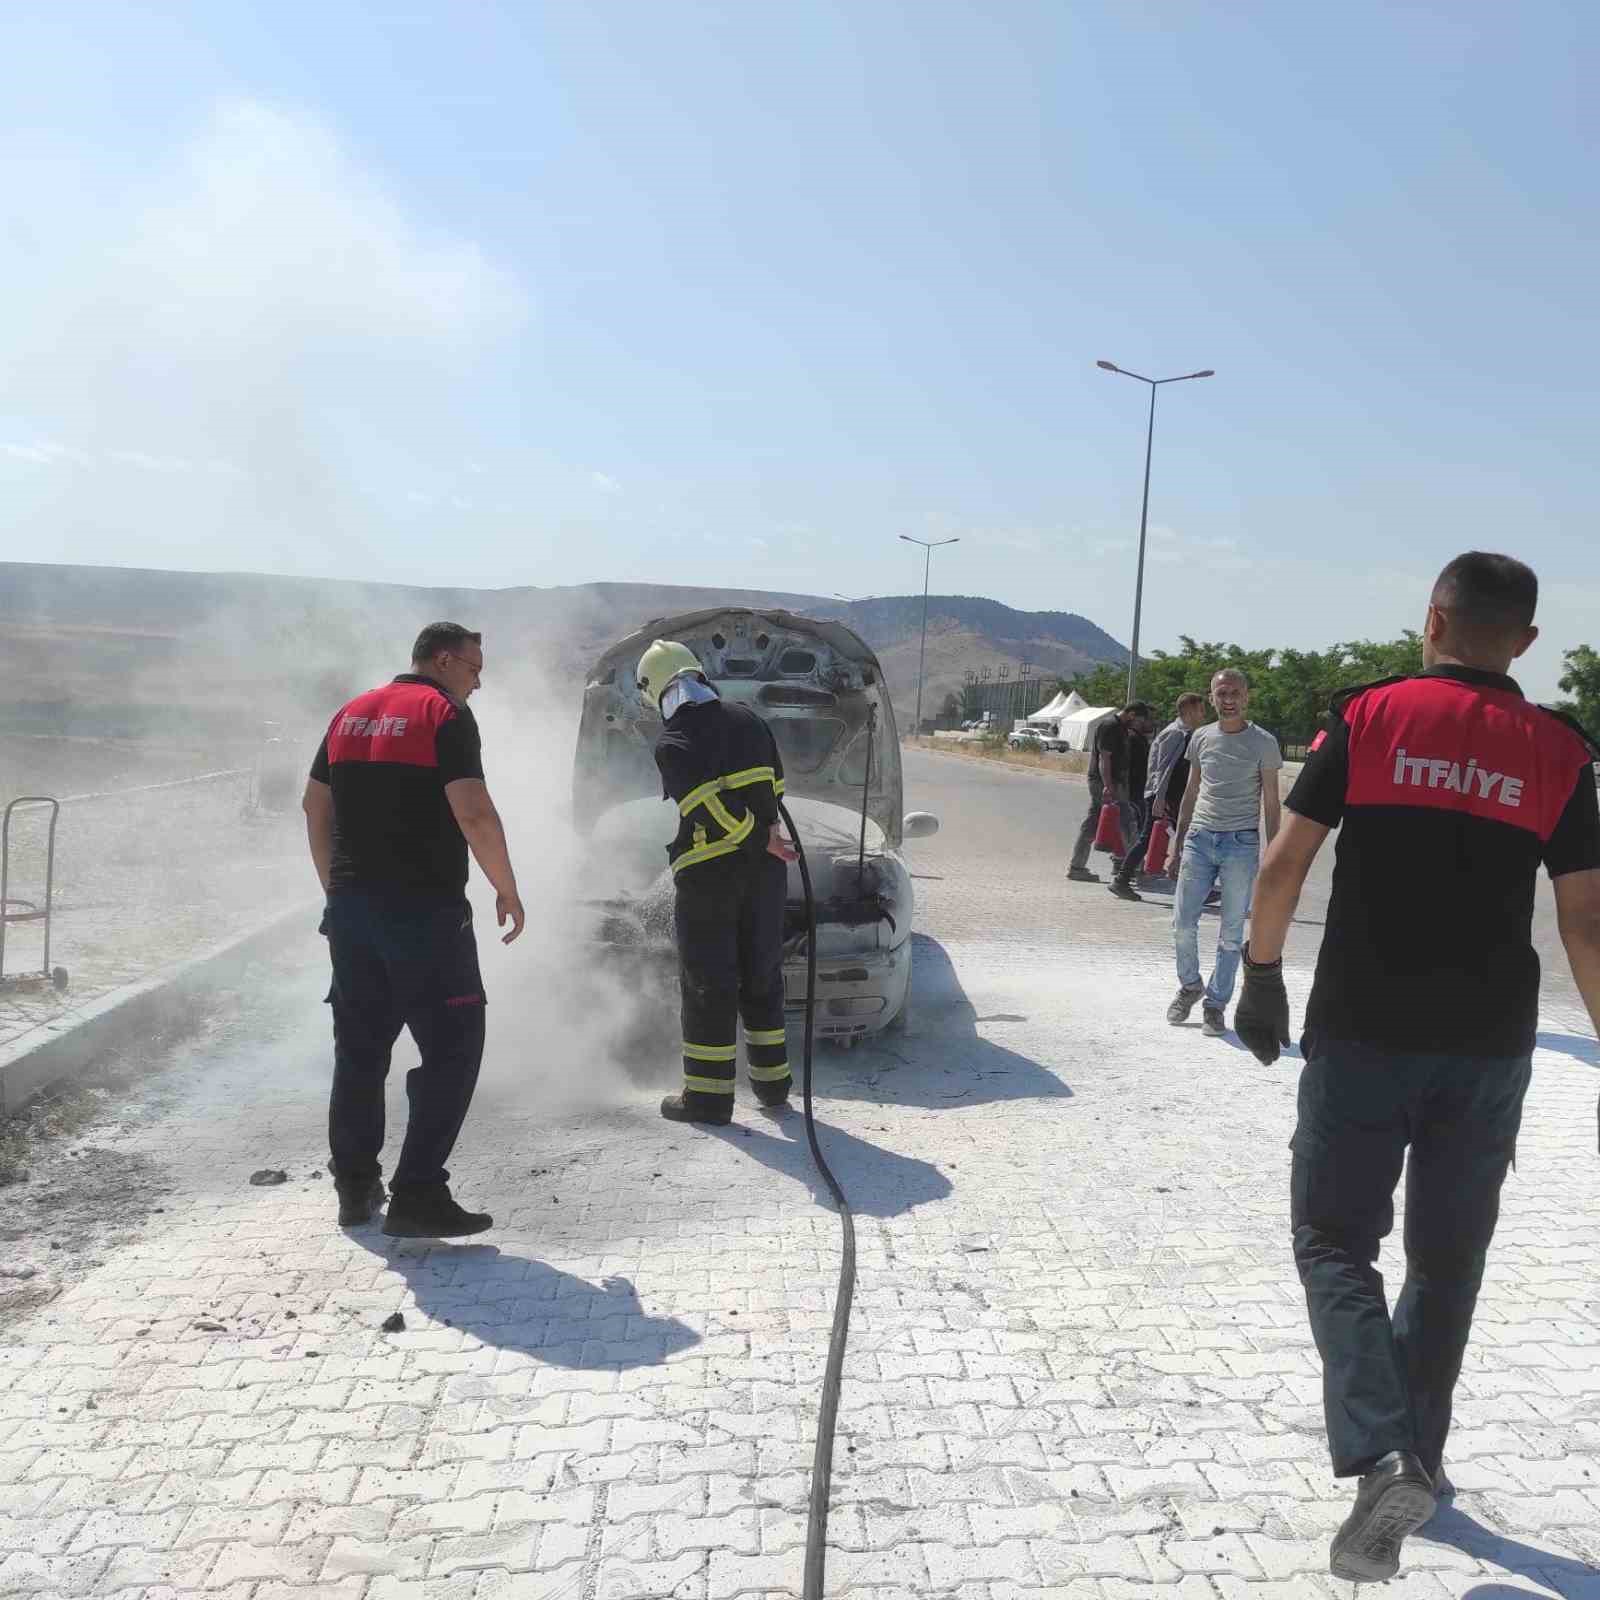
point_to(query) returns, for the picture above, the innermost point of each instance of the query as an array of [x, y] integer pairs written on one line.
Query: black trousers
[[402, 963], [729, 918], [1387, 1382], [1134, 859]]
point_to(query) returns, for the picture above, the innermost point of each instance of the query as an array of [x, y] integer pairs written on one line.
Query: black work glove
[[1261, 1018]]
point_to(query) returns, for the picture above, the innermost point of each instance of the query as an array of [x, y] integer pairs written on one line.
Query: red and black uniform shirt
[[387, 757], [1452, 790]]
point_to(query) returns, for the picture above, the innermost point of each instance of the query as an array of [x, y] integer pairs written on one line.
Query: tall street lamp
[[1144, 510], [922, 654]]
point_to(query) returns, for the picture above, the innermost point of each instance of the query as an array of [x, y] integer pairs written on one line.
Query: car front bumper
[[857, 995]]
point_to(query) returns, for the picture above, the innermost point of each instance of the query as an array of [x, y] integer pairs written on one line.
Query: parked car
[[820, 689], [1026, 739]]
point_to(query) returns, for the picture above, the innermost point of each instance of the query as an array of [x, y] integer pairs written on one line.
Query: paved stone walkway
[[1079, 1365]]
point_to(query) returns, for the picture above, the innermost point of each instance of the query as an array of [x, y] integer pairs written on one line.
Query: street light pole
[[922, 653], [1144, 509]]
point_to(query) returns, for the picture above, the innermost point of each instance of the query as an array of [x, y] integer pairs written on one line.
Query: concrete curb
[[62, 1049]]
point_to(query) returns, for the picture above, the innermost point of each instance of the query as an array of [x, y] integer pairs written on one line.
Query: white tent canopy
[[1063, 705], [1077, 728]]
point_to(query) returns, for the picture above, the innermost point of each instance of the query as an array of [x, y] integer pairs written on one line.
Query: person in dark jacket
[[1450, 791], [720, 763]]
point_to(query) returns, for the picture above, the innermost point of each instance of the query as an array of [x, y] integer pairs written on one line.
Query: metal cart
[[18, 910]]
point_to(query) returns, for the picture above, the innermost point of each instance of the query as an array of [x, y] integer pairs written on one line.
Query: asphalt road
[[1017, 827]]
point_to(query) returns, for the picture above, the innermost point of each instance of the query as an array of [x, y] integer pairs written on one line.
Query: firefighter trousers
[[729, 918], [401, 963]]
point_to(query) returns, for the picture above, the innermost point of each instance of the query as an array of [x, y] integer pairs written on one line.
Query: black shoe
[[773, 1095], [429, 1212], [1082, 875], [1213, 1024], [1186, 1001], [674, 1109], [1392, 1500], [359, 1202], [1124, 891]]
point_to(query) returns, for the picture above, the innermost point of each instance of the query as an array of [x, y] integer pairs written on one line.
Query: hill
[[107, 650]]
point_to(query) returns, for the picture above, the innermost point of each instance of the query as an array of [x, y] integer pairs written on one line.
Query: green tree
[[1580, 679]]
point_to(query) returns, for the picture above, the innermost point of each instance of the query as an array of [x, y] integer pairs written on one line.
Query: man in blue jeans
[[1450, 791], [1233, 790]]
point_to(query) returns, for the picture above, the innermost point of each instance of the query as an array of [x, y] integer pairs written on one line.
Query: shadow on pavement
[[1571, 1044], [940, 1059], [515, 1302], [1452, 1526], [879, 1182]]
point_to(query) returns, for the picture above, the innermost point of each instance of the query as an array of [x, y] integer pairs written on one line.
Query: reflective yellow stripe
[[769, 1074], [720, 847], [743, 780], [725, 819], [710, 1052], [695, 796], [708, 1085], [733, 780], [777, 785], [766, 1035]]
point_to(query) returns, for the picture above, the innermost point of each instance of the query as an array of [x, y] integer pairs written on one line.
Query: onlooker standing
[[1451, 790], [1164, 785], [1110, 759], [395, 797], [1233, 788]]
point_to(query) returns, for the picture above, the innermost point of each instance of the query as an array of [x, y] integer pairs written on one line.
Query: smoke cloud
[[198, 362]]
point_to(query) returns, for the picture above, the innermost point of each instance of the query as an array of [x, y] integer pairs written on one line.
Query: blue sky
[[486, 295]]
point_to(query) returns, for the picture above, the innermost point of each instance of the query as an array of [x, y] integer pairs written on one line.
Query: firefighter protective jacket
[[720, 763]]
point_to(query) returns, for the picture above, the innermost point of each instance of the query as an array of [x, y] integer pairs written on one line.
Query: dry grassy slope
[[97, 639]]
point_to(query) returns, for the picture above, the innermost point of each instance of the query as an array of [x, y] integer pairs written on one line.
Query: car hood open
[[817, 684]]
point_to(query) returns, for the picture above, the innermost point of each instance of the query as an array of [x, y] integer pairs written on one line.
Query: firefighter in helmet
[[720, 764]]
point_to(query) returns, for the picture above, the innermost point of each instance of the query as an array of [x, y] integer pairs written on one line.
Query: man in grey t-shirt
[[1233, 789]]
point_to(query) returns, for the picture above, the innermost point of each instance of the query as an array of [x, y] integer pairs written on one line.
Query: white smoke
[[199, 363]]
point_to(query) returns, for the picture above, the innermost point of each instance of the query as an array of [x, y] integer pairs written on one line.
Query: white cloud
[[604, 483], [46, 455]]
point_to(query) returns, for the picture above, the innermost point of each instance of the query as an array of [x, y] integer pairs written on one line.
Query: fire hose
[[828, 1409]]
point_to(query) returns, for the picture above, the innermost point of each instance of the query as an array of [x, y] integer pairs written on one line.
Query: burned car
[[820, 689]]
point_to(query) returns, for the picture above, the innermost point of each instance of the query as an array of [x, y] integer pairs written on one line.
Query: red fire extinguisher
[[1108, 834]]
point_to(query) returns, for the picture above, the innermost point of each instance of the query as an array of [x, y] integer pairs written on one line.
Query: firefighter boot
[[773, 1095], [687, 1106]]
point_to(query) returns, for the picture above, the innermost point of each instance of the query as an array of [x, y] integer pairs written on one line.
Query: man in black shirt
[[1451, 790], [1110, 764], [720, 763], [395, 798]]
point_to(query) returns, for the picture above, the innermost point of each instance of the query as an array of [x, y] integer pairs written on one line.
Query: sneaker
[[359, 1202], [1186, 1001], [674, 1109], [1213, 1024], [1124, 891], [428, 1212], [1082, 875], [1392, 1500]]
